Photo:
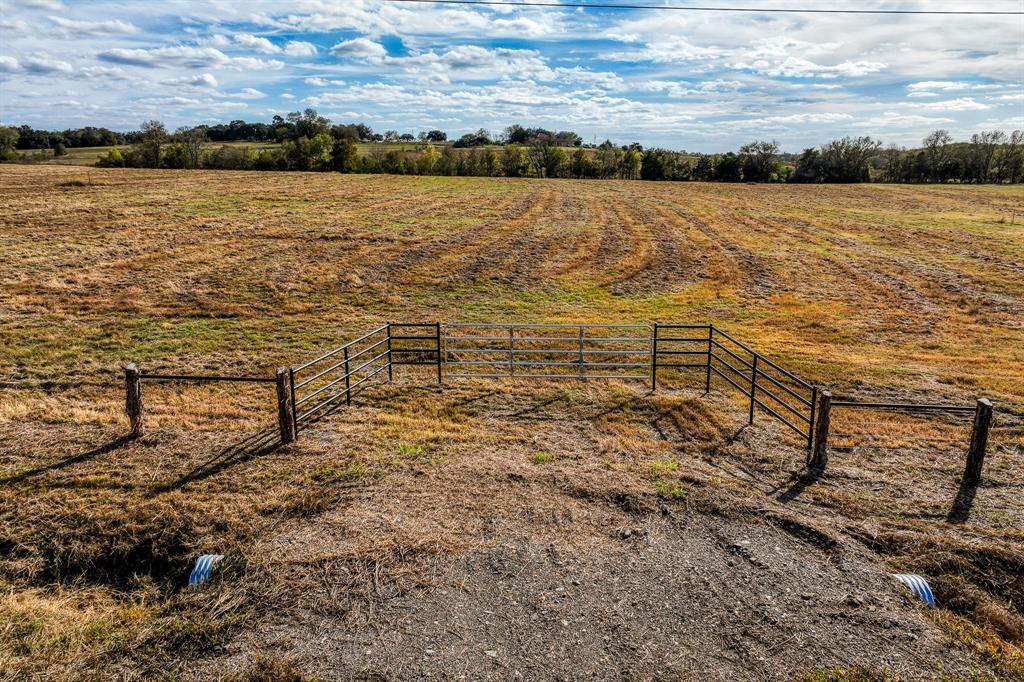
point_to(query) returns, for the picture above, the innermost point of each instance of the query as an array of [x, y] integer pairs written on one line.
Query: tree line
[[307, 141]]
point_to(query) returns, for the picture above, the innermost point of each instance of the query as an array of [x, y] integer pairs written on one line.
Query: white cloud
[[249, 93], [44, 65], [258, 43], [201, 81], [9, 64], [104, 73], [796, 67], [299, 48], [959, 104], [937, 85], [317, 82], [187, 56], [95, 28], [360, 48]]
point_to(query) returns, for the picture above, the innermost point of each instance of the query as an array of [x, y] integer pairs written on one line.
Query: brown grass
[[910, 292]]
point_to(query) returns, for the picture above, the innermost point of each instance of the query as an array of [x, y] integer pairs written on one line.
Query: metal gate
[[548, 351]]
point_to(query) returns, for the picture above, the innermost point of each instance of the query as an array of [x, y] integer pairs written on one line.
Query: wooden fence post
[[391, 375], [979, 440], [133, 400], [437, 336], [654, 358], [819, 453], [285, 420], [753, 389], [707, 377]]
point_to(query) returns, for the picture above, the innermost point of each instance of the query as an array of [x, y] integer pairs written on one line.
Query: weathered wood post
[[285, 420], [753, 389], [437, 336], [133, 400], [654, 358], [979, 440], [819, 453], [711, 340], [391, 375]]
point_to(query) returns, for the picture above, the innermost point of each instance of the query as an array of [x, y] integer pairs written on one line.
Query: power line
[[680, 8]]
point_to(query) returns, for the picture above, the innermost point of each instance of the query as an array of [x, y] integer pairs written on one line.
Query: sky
[[699, 81]]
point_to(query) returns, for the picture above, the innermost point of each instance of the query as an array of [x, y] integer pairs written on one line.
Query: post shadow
[[806, 479], [256, 445], [74, 459], [960, 511]]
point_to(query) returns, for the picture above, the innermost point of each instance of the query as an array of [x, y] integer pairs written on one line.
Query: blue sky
[[699, 81]]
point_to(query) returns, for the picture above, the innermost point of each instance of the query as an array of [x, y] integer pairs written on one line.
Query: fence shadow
[[257, 445], [960, 511], [69, 461], [806, 479]]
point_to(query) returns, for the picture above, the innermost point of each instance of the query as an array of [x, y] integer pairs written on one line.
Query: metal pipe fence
[[776, 391], [546, 351], [628, 352]]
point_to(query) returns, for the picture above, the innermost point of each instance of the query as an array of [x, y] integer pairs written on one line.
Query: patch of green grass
[[672, 491], [409, 450], [660, 468], [353, 472], [542, 457]]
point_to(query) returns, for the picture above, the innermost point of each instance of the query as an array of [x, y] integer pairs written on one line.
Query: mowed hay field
[[910, 293]]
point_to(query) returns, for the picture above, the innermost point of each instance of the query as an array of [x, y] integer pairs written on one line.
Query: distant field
[[913, 289], [86, 156], [907, 292]]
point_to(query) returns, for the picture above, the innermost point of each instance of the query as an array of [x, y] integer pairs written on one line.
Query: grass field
[[886, 291], [87, 156]]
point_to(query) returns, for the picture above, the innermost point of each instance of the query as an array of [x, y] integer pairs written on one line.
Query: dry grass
[[911, 292]]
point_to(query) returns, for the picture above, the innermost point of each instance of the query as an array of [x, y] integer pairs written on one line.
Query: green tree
[[428, 159], [112, 159], [759, 160], [630, 164], [193, 142], [345, 156], [514, 163], [8, 141], [152, 135]]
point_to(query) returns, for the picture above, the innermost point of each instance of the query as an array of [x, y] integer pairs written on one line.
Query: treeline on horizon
[[310, 142]]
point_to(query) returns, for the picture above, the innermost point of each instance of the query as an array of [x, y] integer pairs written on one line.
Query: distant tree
[[808, 167], [567, 138], [608, 156], [193, 142], [391, 136], [345, 155], [406, 137], [1009, 164], [936, 151], [112, 159], [704, 168], [153, 134], [555, 162], [308, 123], [478, 139], [59, 149], [759, 160], [728, 167], [631, 163], [428, 159], [516, 134], [437, 136], [580, 164], [514, 162]]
